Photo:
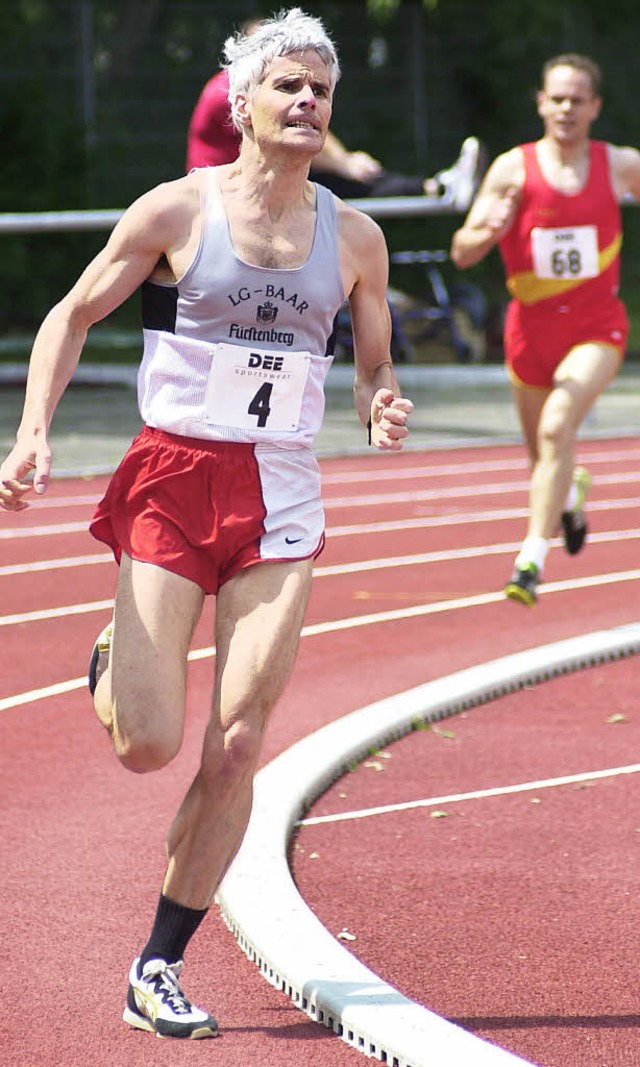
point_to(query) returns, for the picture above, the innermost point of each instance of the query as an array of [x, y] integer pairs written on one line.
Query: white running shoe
[[155, 1002], [461, 181]]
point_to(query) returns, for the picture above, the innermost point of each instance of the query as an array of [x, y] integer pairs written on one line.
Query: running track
[[406, 591]]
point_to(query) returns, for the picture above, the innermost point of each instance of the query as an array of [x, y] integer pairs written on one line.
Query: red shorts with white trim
[[537, 340], [207, 509]]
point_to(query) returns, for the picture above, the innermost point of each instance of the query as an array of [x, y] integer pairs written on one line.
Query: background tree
[[96, 95]]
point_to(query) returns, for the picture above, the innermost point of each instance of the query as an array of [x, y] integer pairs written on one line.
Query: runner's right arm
[[152, 227], [492, 212]]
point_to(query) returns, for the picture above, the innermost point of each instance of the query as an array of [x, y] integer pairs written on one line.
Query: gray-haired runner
[[243, 268]]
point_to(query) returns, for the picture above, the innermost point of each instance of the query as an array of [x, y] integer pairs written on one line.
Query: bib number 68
[[566, 261]]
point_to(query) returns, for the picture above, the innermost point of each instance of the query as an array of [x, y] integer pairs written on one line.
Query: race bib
[[565, 254], [253, 389]]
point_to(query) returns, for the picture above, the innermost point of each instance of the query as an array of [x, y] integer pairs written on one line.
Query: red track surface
[[509, 916]]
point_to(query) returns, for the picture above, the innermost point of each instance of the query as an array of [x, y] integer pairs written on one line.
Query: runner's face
[[292, 105], [567, 104]]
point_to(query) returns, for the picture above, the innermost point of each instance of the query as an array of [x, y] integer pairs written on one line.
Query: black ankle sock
[[174, 926]]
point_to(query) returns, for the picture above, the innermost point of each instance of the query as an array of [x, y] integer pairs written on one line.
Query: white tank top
[[235, 352]]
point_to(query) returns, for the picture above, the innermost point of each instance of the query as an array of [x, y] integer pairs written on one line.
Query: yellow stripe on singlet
[[529, 289]]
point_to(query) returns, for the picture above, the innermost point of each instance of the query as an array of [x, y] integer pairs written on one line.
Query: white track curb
[[277, 930]]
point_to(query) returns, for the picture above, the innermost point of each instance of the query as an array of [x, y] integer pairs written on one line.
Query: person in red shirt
[[212, 140], [553, 209]]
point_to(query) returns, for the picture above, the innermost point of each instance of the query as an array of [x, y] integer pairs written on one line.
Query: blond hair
[[585, 64]]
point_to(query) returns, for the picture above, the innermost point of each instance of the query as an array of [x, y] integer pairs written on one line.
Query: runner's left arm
[[625, 170], [377, 394]]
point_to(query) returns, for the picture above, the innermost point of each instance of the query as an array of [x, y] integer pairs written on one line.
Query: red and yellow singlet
[[562, 261]]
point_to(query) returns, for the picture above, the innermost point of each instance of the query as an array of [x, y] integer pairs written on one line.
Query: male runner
[[243, 268], [553, 209]]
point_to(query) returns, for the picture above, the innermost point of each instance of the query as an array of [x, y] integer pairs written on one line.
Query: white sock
[[534, 550]]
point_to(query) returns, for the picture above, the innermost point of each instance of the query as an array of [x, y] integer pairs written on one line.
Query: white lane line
[[478, 794], [15, 533], [415, 559], [434, 607], [458, 492], [55, 613], [426, 470], [438, 607], [337, 625], [460, 518], [279, 932], [58, 689], [56, 564], [453, 519], [429, 470], [82, 500], [446, 555]]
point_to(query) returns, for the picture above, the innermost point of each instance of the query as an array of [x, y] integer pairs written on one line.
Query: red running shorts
[[207, 509], [536, 341]]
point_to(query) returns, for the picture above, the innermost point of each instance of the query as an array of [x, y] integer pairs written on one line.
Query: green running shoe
[[523, 584]]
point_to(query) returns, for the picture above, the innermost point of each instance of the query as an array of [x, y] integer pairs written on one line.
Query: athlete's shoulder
[[624, 168], [506, 172], [172, 197], [362, 248], [510, 165], [167, 211], [354, 225]]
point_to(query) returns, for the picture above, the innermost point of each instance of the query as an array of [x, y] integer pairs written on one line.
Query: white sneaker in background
[[461, 181]]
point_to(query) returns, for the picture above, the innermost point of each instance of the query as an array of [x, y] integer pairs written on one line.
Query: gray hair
[[247, 55]]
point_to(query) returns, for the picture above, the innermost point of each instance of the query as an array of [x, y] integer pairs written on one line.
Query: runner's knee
[[556, 431], [142, 755], [552, 436], [144, 745], [234, 757]]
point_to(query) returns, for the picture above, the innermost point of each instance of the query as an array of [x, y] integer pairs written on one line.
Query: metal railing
[[51, 221], [378, 207]]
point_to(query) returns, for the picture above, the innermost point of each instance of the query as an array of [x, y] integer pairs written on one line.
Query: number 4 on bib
[[259, 406], [256, 390]]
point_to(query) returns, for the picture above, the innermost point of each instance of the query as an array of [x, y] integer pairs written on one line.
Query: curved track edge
[[280, 933]]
